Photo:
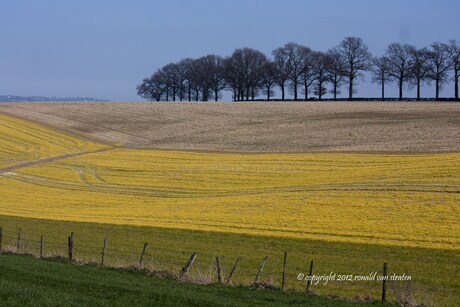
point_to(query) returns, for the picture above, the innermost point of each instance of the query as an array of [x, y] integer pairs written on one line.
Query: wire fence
[[203, 267]]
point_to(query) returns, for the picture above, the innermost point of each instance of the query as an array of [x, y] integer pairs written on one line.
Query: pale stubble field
[[259, 126]]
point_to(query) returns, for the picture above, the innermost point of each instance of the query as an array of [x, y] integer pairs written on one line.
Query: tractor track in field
[[53, 159]]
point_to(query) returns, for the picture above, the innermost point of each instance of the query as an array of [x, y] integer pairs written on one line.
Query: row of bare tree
[[249, 73]]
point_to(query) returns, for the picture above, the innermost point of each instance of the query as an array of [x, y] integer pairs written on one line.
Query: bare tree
[[335, 70], [454, 50], [268, 78], [185, 89], [171, 73], [399, 58], [295, 64], [233, 77], [255, 62], [280, 61], [235, 72], [308, 75], [356, 58], [418, 67], [203, 69], [152, 88], [212, 75], [381, 72], [320, 74], [195, 83], [243, 71], [439, 65]]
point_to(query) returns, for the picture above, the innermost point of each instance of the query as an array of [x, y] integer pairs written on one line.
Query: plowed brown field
[[257, 126]]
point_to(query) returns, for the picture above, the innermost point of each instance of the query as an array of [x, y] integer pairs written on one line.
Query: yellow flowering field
[[22, 141], [407, 200]]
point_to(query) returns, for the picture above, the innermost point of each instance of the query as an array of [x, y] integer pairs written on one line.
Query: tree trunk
[[253, 93], [418, 89], [335, 90], [295, 90], [456, 85], [400, 88], [437, 88], [383, 90], [268, 93], [350, 88], [216, 94], [320, 92], [282, 92], [189, 93]]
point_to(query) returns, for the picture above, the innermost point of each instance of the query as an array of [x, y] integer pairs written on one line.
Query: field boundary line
[[64, 130]]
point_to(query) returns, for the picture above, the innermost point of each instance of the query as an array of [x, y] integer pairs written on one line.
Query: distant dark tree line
[[248, 73]]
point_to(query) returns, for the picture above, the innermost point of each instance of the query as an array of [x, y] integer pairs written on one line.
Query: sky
[[104, 48]]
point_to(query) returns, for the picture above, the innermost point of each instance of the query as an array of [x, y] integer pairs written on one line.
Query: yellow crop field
[[384, 199], [22, 141]]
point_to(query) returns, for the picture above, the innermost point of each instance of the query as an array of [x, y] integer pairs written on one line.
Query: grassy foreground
[[27, 281], [434, 271]]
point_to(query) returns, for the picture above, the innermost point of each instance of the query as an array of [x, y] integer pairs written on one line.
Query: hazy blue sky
[[104, 48]]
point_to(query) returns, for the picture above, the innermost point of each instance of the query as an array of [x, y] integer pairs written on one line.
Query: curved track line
[[53, 159]]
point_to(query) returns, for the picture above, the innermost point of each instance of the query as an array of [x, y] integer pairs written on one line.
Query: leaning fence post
[[104, 248], [283, 285], [260, 270], [71, 238], [229, 278], [41, 246], [1, 238], [219, 271], [310, 277], [384, 284], [187, 266], [18, 240], [141, 261]]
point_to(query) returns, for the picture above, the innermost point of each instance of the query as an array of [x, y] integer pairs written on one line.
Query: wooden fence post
[[104, 248], [283, 285], [41, 246], [229, 278], [141, 261], [1, 238], [260, 270], [219, 271], [310, 277], [187, 266], [384, 284], [71, 239], [18, 240]]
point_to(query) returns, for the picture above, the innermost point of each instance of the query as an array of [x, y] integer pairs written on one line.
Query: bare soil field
[[257, 126]]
